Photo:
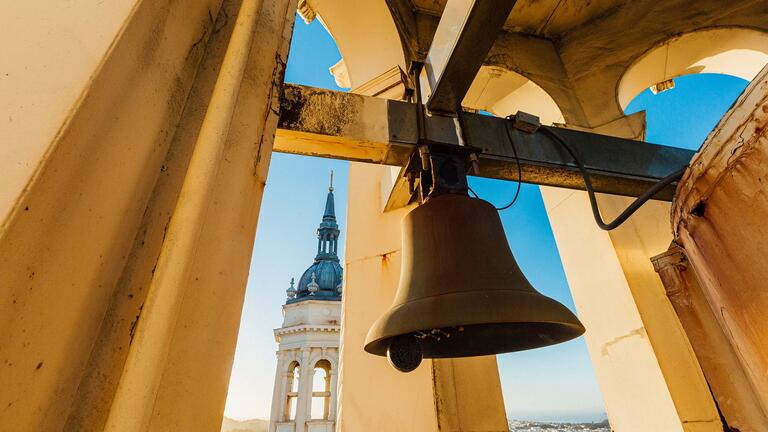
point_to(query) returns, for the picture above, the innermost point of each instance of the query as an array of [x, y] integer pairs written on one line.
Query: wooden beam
[[325, 123]]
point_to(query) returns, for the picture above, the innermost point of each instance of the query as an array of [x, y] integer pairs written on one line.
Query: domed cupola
[[323, 279]]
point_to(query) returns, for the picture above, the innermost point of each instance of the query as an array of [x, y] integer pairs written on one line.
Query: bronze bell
[[461, 292]]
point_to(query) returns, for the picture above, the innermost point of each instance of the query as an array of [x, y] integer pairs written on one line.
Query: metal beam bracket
[[525, 122]]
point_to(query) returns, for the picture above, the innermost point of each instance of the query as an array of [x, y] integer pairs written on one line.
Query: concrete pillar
[[403, 402], [80, 305], [457, 411], [75, 212], [633, 334]]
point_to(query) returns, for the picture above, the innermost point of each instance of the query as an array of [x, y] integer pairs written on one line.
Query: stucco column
[[648, 374], [304, 400], [334, 394], [92, 218], [71, 207], [633, 335], [279, 392]]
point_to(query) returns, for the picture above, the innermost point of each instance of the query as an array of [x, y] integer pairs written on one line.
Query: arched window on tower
[[292, 392], [321, 390]]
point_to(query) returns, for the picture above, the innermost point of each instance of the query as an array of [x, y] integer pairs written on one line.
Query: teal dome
[[327, 275]]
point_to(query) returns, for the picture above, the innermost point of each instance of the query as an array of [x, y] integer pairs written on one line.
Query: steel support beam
[[326, 123], [464, 36]]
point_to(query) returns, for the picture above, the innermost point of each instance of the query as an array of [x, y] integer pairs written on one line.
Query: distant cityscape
[[532, 426], [255, 425]]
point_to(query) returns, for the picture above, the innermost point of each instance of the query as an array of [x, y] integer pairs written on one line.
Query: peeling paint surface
[[719, 218]]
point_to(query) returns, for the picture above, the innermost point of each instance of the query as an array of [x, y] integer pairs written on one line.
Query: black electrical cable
[[514, 152], [519, 168], [645, 196]]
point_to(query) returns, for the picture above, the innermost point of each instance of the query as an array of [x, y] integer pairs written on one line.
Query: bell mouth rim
[[379, 347], [497, 307]]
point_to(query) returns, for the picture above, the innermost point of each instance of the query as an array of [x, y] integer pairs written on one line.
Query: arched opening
[[356, 38], [684, 116], [739, 52], [503, 92], [292, 391], [687, 83], [321, 391]]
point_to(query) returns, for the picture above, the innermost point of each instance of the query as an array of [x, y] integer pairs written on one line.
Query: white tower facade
[[306, 380], [304, 398]]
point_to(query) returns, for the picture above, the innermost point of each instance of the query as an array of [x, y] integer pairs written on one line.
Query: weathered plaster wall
[[736, 397], [719, 219], [85, 235], [50, 57], [80, 170]]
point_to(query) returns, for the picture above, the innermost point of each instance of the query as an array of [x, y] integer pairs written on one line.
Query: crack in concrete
[[640, 331], [379, 256]]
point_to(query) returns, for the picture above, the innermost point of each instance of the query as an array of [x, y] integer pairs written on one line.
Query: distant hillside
[[254, 425]]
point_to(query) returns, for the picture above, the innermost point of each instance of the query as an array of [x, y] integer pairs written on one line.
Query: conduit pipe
[[135, 396]]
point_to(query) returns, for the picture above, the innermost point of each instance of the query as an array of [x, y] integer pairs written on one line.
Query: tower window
[[321, 390], [292, 392]]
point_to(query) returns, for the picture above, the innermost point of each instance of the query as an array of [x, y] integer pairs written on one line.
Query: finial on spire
[[313, 286], [291, 292], [331, 187]]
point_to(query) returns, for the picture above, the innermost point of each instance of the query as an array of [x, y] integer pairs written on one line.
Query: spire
[[328, 231], [323, 279], [330, 210]]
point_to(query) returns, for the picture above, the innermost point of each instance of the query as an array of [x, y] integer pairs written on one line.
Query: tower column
[[334, 383], [305, 390], [278, 393]]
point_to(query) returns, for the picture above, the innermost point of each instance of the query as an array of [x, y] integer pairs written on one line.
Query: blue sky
[[553, 383]]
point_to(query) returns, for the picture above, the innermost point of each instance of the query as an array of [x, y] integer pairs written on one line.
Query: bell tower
[[304, 396]]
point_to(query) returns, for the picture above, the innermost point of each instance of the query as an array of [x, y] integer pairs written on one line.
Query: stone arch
[[736, 51], [501, 91], [289, 362], [367, 50], [318, 357]]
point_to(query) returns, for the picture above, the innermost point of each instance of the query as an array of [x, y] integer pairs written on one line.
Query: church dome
[[327, 275], [323, 279]]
